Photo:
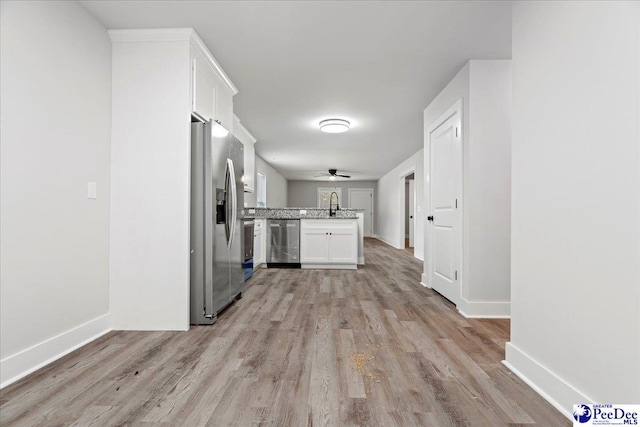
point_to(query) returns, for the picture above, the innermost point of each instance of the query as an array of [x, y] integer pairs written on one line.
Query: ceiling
[[377, 64]]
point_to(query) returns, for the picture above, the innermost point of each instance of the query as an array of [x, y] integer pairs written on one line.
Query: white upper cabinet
[[248, 141], [203, 98], [224, 107], [211, 90]]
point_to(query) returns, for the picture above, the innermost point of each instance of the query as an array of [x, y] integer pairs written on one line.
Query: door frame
[[373, 204], [403, 214], [412, 207], [456, 109]]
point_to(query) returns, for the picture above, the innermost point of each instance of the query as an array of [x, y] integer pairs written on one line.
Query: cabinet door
[[224, 107], [258, 243], [249, 167], [314, 246], [343, 243], [203, 95]]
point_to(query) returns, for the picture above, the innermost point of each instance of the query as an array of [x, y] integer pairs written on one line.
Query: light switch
[[91, 190], [418, 208]]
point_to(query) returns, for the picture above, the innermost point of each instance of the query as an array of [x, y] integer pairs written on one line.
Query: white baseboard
[[485, 309], [546, 383], [424, 282], [360, 260], [388, 242], [21, 364]]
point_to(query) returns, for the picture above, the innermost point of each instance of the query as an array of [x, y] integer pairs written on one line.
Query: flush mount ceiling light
[[334, 126]]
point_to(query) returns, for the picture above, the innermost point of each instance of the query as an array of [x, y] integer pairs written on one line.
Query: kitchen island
[[325, 241]]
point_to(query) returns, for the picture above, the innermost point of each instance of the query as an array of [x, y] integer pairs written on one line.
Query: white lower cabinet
[[328, 243], [259, 243]]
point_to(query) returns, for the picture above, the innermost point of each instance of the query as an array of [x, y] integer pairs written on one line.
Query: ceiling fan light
[[332, 177], [334, 125]]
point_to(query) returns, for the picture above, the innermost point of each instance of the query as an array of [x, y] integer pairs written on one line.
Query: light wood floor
[[303, 347]]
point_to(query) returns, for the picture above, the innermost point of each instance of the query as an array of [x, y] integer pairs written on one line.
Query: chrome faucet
[[332, 212]]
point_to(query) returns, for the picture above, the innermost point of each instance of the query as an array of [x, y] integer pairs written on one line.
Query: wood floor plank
[[283, 356]]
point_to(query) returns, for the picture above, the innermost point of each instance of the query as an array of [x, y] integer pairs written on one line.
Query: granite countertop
[[294, 213]]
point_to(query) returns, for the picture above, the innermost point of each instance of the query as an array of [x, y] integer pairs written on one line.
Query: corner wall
[[55, 80], [389, 204], [575, 331], [484, 86]]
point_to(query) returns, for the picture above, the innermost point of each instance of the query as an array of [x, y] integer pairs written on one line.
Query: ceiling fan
[[333, 173]]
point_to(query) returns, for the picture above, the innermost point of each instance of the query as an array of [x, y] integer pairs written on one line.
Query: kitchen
[[100, 203]]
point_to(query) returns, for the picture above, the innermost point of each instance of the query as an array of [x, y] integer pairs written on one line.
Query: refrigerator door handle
[[227, 225], [234, 203]]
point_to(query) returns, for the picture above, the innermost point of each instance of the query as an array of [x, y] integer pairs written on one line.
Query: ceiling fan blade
[[344, 176], [322, 174]]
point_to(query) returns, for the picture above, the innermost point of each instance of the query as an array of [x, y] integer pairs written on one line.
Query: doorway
[[409, 211]]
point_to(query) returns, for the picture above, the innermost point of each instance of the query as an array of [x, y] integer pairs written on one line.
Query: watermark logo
[[581, 413], [605, 415]]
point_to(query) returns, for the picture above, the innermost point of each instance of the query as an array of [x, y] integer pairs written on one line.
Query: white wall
[[55, 82], [389, 215], [305, 193], [485, 89], [488, 183], [276, 186], [575, 330], [150, 181]]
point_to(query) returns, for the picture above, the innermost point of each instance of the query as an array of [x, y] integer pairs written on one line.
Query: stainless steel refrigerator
[[217, 200]]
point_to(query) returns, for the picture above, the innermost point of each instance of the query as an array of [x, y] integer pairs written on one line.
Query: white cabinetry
[[224, 107], [248, 141], [211, 90], [203, 95], [259, 243], [328, 243]]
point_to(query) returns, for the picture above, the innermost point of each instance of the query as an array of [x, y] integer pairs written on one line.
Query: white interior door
[[444, 219], [362, 198], [412, 213]]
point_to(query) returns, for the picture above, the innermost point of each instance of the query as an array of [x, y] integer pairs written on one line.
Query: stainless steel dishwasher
[[283, 243]]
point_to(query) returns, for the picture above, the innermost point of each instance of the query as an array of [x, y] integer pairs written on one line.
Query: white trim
[[424, 282], [360, 260], [197, 42], [173, 35], [373, 214], [403, 214], [485, 309], [559, 393], [24, 362], [243, 131]]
